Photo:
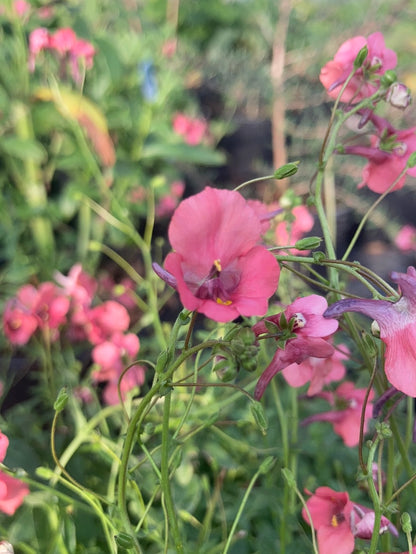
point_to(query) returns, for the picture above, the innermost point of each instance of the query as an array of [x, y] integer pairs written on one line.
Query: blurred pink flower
[[78, 285], [337, 521], [406, 238], [397, 322], [191, 129], [290, 232], [106, 319], [81, 54], [319, 371], [347, 402], [63, 40], [167, 203], [21, 7], [217, 266], [366, 80], [111, 357], [12, 491], [38, 41], [19, 323], [311, 330]]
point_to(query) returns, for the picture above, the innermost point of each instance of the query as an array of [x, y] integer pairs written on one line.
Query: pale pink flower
[[217, 266], [406, 238], [345, 417], [167, 203], [38, 41], [290, 232], [192, 129], [319, 371], [19, 323], [311, 331], [78, 285], [63, 40], [338, 521], [397, 323], [82, 52], [366, 80], [21, 7]]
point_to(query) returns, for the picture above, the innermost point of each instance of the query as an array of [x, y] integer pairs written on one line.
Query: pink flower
[[217, 266], [78, 285], [309, 326], [397, 322], [21, 7], [63, 40], [191, 129], [38, 41], [387, 155], [111, 357], [337, 521], [19, 323], [366, 80], [81, 51], [331, 514], [290, 232], [319, 371], [346, 415], [167, 203], [406, 238], [106, 319], [12, 491]]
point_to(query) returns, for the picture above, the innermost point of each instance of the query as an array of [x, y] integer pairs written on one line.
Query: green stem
[[374, 497], [172, 526]]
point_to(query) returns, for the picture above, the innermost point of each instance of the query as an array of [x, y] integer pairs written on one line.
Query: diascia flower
[[397, 322], [218, 266], [12, 491], [366, 80], [337, 521], [310, 328]]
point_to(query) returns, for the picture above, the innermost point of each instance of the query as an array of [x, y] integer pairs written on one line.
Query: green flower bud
[[411, 162], [308, 243], [388, 78], [124, 540], [259, 415], [161, 361], [406, 522], [286, 170], [318, 257], [225, 368], [61, 400], [361, 57]]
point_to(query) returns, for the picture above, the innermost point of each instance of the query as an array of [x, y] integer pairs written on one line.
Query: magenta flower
[[63, 40], [217, 266], [338, 521], [290, 232], [345, 418], [106, 319], [310, 328], [318, 371], [397, 322], [12, 491], [366, 80], [19, 323], [387, 155]]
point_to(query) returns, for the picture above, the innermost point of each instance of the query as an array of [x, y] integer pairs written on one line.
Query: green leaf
[[24, 149]]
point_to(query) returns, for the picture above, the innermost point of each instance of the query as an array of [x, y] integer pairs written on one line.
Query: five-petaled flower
[[12, 490], [397, 322], [311, 329], [366, 79], [218, 266], [338, 521]]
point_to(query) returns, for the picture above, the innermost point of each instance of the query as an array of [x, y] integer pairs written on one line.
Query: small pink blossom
[[63, 40], [406, 238], [78, 285], [290, 232], [38, 41], [319, 371], [19, 323], [191, 129], [21, 7], [167, 203], [345, 417], [311, 333], [366, 80], [217, 266], [397, 323]]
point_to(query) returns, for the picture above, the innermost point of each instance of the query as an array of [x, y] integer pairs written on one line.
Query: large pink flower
[[337, 521], [310, 328], [347, 402], [217, 266], [397, 322], [366, 80]]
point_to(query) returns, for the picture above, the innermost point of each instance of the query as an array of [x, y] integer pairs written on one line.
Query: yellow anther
[[224, 302], [217, 265]]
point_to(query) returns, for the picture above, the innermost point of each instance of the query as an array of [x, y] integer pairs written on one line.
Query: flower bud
[[308, 243], [259, 415], [124, 540], [399, 96], [225, 368], [388, 78], [406, 522], [361, 57], [286, 170], [61, 400]]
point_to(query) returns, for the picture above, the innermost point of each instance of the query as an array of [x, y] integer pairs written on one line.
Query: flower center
[[337, 519], [299, 321], [219, 284]]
